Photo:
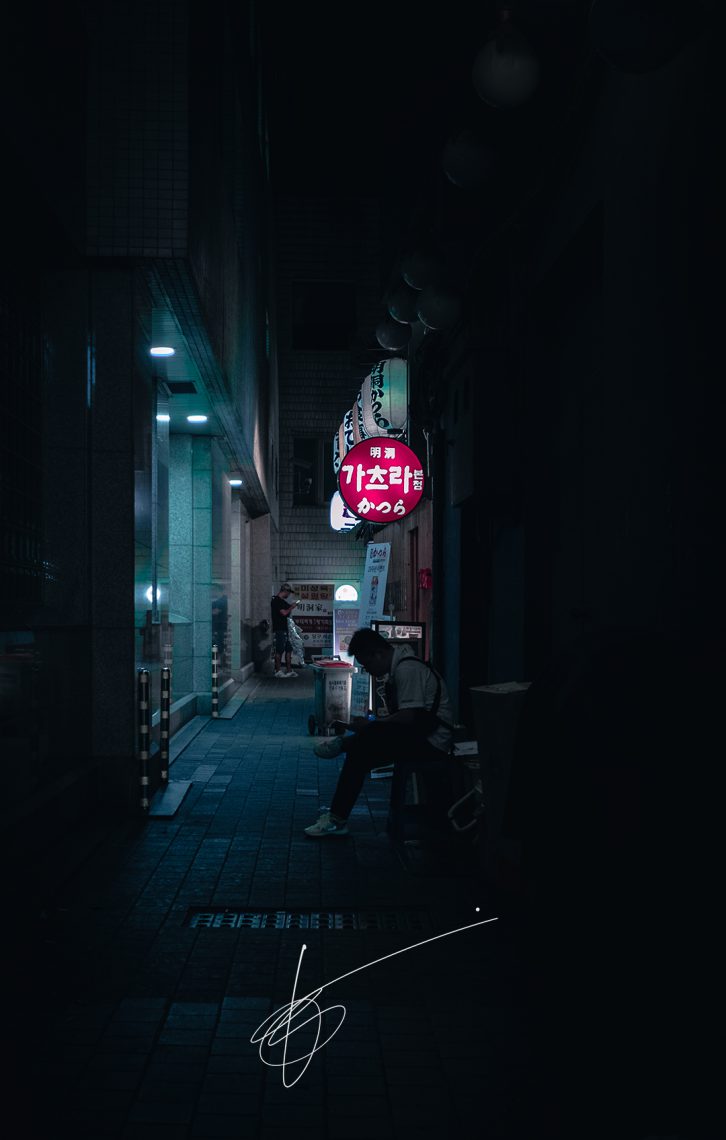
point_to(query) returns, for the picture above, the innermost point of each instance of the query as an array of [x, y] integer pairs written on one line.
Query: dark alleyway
[[142, 966], [135, 1024]]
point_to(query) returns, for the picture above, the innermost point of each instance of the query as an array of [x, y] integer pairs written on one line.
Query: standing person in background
[[281, 609]]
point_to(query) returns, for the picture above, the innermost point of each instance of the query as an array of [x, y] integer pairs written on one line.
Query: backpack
[[427, 720]]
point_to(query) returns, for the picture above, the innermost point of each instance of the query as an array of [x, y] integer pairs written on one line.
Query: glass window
[[314, 479]]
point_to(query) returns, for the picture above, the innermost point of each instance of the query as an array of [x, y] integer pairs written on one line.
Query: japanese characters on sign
[[381, 480]]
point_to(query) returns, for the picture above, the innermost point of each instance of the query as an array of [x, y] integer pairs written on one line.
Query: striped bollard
[[143, 694], [164, 723], [215, 681]]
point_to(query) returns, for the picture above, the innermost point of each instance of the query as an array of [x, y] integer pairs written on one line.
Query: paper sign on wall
[[314, 615]]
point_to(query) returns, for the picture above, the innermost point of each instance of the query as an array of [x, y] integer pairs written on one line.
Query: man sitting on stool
[[418, 725]]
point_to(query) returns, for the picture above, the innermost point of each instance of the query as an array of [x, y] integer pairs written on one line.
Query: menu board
[[314, 614]]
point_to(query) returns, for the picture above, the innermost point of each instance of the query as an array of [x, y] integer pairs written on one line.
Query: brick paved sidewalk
[[136, 1023]]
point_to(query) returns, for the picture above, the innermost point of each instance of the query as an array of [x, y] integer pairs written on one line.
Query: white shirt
[[416, 689]]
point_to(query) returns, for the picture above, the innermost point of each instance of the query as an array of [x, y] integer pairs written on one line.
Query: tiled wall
[[137, 177], [317, 242]]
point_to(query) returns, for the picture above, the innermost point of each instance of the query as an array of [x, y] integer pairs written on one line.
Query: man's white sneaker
[[329, 747], [328, 824], [281, 673], [292, 673]]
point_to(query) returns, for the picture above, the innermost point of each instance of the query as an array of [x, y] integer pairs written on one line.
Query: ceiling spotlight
[[163, 417], [235, 482], [161, 350], [197, 419]]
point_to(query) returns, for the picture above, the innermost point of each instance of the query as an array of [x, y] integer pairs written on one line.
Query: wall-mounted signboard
[[381, 480]]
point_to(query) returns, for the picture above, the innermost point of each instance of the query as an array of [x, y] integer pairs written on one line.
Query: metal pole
[[164, 723], [143, 694], [215, 681]]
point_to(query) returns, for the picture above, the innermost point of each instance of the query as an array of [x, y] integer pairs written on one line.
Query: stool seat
[[415, 819]]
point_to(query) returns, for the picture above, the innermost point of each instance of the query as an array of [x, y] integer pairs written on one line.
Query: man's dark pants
[[373, 746]]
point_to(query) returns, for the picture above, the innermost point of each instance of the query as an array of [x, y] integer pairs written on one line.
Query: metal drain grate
[[394, 920]]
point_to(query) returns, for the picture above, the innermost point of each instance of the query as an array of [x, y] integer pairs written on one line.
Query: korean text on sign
[[381, 480]]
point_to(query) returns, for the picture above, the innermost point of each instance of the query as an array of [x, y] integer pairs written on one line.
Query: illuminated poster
[[375, 576], [347, 621]]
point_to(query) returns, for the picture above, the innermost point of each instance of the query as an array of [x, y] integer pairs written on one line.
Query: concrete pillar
[[181, 562], [235, 590], [202, 572], [117, 397]]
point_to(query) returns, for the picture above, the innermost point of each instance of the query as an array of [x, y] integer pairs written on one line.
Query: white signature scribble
[[279, 1027]]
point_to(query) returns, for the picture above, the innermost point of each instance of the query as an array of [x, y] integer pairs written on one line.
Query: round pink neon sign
[[381, 479]]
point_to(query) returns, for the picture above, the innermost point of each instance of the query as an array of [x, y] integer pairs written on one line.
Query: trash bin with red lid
[[332, 694]]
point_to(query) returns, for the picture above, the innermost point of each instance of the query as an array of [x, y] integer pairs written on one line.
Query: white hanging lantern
[[387, 395], [341, 518], [337, 457], [380, 409]]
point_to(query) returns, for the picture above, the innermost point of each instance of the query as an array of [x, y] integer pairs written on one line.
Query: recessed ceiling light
[[197, 419], [235, 482], [161, 350], [163, 417]]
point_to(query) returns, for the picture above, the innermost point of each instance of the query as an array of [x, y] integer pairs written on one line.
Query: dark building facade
[[578, 465], [138, 219], [570, 381], [564, 355]]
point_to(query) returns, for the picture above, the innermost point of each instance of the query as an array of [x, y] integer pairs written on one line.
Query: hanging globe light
[[402, 303], [392, 334], [439, 307], [506, 71], [466, 161], [419, 268]]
